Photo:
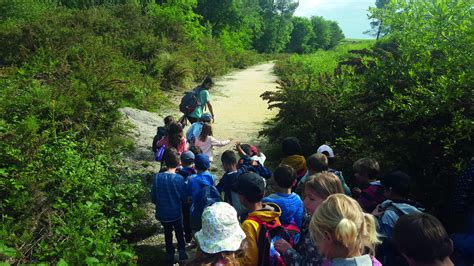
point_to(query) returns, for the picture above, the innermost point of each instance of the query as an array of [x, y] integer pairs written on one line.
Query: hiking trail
[[240, 114]]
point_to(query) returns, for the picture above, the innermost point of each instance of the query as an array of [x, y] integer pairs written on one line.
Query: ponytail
[[369, 233], [346, 233], [343, 218]]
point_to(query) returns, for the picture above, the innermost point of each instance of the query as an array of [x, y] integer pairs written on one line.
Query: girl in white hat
[[221, 240]]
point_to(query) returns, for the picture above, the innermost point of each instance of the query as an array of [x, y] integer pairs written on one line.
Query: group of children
[[311, 218]]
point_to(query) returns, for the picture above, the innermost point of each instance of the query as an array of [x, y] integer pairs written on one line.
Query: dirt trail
[[240, 113], [239, 110]]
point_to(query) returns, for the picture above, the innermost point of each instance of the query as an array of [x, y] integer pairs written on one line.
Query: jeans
[[177, 226], [188, 235]]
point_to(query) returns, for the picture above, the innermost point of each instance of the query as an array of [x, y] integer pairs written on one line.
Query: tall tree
[[322, 33], [300, 36], [377, 26], [336, 34]]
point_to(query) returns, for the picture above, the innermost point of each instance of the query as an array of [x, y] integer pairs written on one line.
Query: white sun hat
[[326, 148], [220, 229]]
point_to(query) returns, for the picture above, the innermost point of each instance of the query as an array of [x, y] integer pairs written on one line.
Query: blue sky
[[350, 14]]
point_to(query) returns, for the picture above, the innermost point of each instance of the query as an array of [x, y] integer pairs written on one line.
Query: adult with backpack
[[193, 102]]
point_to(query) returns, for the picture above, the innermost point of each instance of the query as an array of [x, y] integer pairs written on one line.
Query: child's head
[[366, 170], [205, 131], [229, 160], [195, 150], [341, 229], [250, 187], [254, 151], [168, 120], [318, 187], [284, 176], [247, 149], [201, 162], [326, 150], [221, 236], [422, 239], [291, 146], [175, 134], [317, 163], [206, 118], [187, 158], [171, 158], [397, 184]]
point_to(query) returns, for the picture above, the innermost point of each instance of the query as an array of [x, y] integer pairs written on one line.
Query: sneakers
[[183, 255]]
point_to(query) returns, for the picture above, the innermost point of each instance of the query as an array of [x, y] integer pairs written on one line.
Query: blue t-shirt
[[292, 208], [168, 192]]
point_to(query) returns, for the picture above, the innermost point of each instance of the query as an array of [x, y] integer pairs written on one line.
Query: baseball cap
[[206, 117], [251, 186], [325, 148], [254, 150], [187, 157], [201, 162]]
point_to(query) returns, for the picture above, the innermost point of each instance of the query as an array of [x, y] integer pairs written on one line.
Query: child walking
[[168, 193], [316, 189], [206, 141], [370, 192], [343, 232]]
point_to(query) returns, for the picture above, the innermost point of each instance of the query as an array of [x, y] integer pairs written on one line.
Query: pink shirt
[[206, 146], [183, 146]]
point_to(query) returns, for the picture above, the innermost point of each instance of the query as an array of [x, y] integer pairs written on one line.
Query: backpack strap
[[263, 240]]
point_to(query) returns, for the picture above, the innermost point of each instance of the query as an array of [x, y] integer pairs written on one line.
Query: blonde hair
[[343, 218], [324, 184]]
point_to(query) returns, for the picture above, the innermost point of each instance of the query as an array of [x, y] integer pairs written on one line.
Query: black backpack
[[190, 101]]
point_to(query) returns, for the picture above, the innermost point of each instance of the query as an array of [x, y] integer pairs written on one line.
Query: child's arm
[[219, 143], [299, 214]]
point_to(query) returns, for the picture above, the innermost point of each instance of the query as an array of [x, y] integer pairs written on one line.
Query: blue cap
[[206, 117], [187, 157], [201, 162]]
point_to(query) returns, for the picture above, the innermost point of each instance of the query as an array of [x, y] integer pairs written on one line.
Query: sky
[[350, 14]]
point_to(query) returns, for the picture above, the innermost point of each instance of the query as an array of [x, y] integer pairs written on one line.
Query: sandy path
[[239, 110]]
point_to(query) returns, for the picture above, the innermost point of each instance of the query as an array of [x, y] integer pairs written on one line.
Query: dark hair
[[207, 81], [171, 158], [318, 162], [284, 176], [230, 258], [291, 146], [205, 131], [228, 157], [168, 120], [246, 148], [175, 134], [422, 238], [367, 166], [195, 149], [398, 182]]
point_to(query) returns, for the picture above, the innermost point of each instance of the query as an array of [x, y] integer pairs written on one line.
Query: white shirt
[[206, 146]]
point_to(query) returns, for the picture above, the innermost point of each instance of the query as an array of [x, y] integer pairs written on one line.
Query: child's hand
[[356, 192], [282, 246], [378, 211]]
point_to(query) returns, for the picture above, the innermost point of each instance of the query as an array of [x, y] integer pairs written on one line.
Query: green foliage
[[407, 101], [65, 70]]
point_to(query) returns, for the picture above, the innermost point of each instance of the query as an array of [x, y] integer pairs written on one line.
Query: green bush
[[407, 101]]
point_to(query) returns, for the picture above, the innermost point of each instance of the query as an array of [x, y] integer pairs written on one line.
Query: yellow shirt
[[270, 212]]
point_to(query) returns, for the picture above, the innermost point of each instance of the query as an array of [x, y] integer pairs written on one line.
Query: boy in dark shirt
[[185, 170], [370, 192], [229, 164]]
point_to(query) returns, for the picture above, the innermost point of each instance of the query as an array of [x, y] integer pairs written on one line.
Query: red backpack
[[268, 234]]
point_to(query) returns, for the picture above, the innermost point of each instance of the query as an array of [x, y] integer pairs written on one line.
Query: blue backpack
[[190, 101], [206, 197], [246, 164]]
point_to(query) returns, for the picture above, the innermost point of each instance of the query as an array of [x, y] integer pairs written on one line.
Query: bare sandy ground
[[239, 110], [240, 114]]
